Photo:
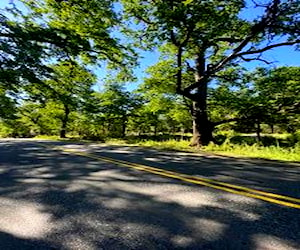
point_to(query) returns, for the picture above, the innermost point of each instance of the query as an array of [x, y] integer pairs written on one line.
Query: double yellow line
[[235, 189]]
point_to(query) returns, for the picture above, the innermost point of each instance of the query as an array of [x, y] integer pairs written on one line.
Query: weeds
[[257, 151], [233, 145]]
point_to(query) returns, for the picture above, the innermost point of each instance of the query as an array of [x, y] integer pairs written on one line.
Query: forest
[[68, 70]]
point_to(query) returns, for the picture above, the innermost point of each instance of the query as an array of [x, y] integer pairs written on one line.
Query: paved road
[[50, 199]]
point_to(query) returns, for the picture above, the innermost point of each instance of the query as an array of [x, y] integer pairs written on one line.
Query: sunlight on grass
[[273, 152], [47, 137], [168, 145], [257, 151], [244, 150], [180, 145]]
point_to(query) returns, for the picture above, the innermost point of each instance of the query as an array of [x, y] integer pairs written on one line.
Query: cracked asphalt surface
[[50, 199]]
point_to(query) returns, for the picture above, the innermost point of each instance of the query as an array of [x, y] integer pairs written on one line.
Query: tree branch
[[251, 52], [214, 124], [141, 18], [266, 21], [256, 29], [173, 39], [255, 59], [228, 39]]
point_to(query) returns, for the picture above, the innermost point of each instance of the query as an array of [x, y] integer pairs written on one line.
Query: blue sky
[[283, 56]]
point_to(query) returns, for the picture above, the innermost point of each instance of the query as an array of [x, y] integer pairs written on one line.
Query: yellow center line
[[235, 189], [204, 179]]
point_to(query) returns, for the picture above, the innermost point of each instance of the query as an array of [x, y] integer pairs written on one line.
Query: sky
[[283, 56]]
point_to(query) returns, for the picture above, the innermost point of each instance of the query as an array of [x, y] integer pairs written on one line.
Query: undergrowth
[[257, 151], [230, 147], [273, 152]]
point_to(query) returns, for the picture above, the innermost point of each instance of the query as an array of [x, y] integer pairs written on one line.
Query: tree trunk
[[64, 122], [124, 126], [272, 128], [258, 130], [202, 127], [155, 129]]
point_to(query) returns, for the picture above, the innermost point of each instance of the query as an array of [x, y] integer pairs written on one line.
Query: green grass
[[177, 145], [275, 135], [57, 138], [257, 151], [273, 152], [289, 154], [181, 145], [47, 137]]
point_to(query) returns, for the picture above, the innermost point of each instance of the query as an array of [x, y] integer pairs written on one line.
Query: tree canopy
[[210, 37], [201, 81]]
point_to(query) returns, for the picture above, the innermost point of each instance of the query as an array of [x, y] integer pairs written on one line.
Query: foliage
[[88, 24], [272, 152], [116, 106], [278, 92], [7, 105], [257, 151], [46, 85], [209, 39]]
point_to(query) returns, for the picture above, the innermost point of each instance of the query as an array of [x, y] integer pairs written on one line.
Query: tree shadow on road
[[11, 242], [267, 175], [87, 204]]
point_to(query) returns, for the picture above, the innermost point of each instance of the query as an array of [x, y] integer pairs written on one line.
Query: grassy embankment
[[283, 147]]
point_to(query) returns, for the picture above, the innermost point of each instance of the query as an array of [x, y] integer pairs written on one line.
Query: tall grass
[[180, 145], [273, 152], [257, 151], [230, 147]]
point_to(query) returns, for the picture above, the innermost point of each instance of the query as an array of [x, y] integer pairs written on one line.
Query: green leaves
[[87, 25], [186, 2]]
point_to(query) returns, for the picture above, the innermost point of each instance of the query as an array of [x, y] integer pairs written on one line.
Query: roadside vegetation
[[282, 147], [198, 95]]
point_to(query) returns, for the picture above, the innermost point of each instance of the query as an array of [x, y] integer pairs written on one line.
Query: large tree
[[209, 37], [70, 87], [54, 31], [278, 94], [116, 106]]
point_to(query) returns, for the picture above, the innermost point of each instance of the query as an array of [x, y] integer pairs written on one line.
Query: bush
[[5, 131], [16, 129], [294, 138]]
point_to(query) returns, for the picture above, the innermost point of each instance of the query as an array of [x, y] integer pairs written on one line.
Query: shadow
[[267, 175], [160, 137], [10, 242], [265, 140], [57, 200]]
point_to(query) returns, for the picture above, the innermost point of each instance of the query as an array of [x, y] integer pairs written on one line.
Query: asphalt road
[[53, 199]]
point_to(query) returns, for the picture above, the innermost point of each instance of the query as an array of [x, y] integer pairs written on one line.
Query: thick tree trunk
[[65, 119], [63, 131], [202, 127]]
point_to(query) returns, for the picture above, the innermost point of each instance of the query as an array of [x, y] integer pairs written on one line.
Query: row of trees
[[114, 112], [70, 105], [197, 84]]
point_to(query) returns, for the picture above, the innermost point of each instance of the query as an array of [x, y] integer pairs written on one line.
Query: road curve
[[54, 199]]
